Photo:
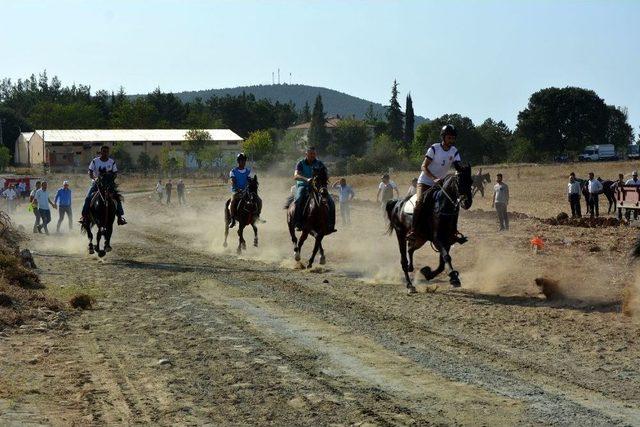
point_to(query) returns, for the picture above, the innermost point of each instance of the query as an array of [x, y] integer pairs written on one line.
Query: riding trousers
[[87, 201]]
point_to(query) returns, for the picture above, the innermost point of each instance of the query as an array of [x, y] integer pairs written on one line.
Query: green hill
[[334, 102]]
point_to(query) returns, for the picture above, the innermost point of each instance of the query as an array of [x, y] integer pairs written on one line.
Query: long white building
[[73, 148]]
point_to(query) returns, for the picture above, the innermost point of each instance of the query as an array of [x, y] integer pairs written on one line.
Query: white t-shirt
[[10, 194], [594, 186], [391, 185], [97, 166], [441, 162], [630, 181]]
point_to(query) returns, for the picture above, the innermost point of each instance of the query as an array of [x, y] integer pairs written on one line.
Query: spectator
[[43, 200], [159, 190], [167, 189], [500, 201], [413, 188], [180, 190], [573, 192], [345, 195], [22, 190], [63, 200], [11, 195], [34, 207], [386, 188], [594, 187]]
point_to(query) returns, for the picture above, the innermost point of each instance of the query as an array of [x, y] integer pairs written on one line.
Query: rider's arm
[[425, 168]]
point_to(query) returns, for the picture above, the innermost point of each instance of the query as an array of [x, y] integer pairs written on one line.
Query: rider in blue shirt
[[239, 179], [303, 175]]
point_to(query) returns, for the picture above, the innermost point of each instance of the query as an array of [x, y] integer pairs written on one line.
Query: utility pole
[[278, 75], [273, 79]]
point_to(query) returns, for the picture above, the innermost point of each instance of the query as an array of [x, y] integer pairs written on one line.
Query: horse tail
[[84, 227], [389, 207]]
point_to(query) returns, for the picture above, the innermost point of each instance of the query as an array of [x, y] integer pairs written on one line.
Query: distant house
[[302, 130], [73, 148]]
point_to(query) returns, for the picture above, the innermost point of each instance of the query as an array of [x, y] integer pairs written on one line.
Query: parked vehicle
[[561, 158], [633, 151], [594, 153]]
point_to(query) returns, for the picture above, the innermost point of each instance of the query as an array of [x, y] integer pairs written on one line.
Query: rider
[[239, 180], [98, 166], [437, 162], [302, 175]]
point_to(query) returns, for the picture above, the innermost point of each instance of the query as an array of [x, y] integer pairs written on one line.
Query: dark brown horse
[[315, 216], [247, 213], [478, 182], [437, 223], [607, 189], [102, 213]]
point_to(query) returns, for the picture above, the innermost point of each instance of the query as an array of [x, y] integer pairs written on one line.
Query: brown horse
[[478, 182], [437, 223], [247, 213], [315, 216]]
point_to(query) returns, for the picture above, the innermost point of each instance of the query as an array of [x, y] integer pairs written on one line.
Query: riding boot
[[121, 220]]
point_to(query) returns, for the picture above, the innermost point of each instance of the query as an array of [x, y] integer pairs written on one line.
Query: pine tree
[[318, 135], [394, 115], [409, 122], [305, 114]]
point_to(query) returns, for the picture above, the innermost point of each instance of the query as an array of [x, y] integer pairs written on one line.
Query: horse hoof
[[107, 248], [297, 257], [411, 290], [323, 260], [225, 244], [101, 253], [255, 243], [427, 273], [454, 280], [91, 251], [309, 265], [244, 246], [239, 251]]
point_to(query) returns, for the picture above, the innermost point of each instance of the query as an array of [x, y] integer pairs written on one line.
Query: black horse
[[437, 223], [315, 216], [247, 213], [478, 182], [607, 189], [102, 213]]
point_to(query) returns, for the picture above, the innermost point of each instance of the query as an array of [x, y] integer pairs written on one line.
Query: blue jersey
[[241, 177]]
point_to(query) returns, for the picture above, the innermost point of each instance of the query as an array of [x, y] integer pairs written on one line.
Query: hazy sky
[[478, 58]]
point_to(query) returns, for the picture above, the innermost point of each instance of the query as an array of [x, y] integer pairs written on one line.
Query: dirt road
[[183, 333]]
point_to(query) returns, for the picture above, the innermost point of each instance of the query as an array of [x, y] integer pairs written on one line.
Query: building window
[[231, 143], [56, 144], [156, 143], [138, 143], [78, 144], [97, 144], [176, 143]]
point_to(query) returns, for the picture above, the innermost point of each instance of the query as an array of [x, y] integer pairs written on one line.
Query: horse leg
[[241, 242], [101, 252], [107, 239], [454, 276], [402, 245], [90, 236], [255, 235], [316, 247], [226, 224], [323, 260], [298, 248]]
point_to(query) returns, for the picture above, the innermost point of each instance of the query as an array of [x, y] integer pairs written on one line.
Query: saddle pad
[[407, 208]]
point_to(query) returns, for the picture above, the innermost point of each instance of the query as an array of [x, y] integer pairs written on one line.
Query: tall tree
[[318, 135], [394, 115], [409, 122], [305, 114]]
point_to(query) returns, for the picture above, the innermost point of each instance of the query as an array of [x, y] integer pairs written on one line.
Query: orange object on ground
[[537, 242]]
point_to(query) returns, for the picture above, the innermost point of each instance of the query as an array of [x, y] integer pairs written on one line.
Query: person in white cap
[[63, 200], [636, 183]]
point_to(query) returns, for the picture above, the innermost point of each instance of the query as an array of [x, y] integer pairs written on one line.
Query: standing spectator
[[615, 186], [180, 190], [167, 189], [11, 195], [63, 200], [22, 190], [345, 195], [43, 200], [386, 188], [594, 187], [159, 190], [34, 206], [413, 188], [573, 192], [500, 201], [633, 181]]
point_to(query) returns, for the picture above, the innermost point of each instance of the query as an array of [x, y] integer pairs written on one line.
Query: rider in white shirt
[[100, 165], [438, 160]]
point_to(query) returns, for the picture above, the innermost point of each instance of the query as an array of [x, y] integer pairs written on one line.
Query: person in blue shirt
[[302, 175], [345, 195], [63, 200], [239, 179]]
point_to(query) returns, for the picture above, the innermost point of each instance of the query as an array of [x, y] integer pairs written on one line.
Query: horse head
[[319, 181], [465, 181], [250, 196]]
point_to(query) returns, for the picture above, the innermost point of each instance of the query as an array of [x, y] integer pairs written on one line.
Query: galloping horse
[[315, 216], [102, 213], [437, 223], [247, 213], [478, 182]]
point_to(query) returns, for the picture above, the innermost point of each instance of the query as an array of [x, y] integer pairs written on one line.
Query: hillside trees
[[409, 123], [395, 115], [318, 135]]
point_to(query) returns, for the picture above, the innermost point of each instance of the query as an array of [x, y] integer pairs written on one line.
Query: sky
[[476, 58]]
